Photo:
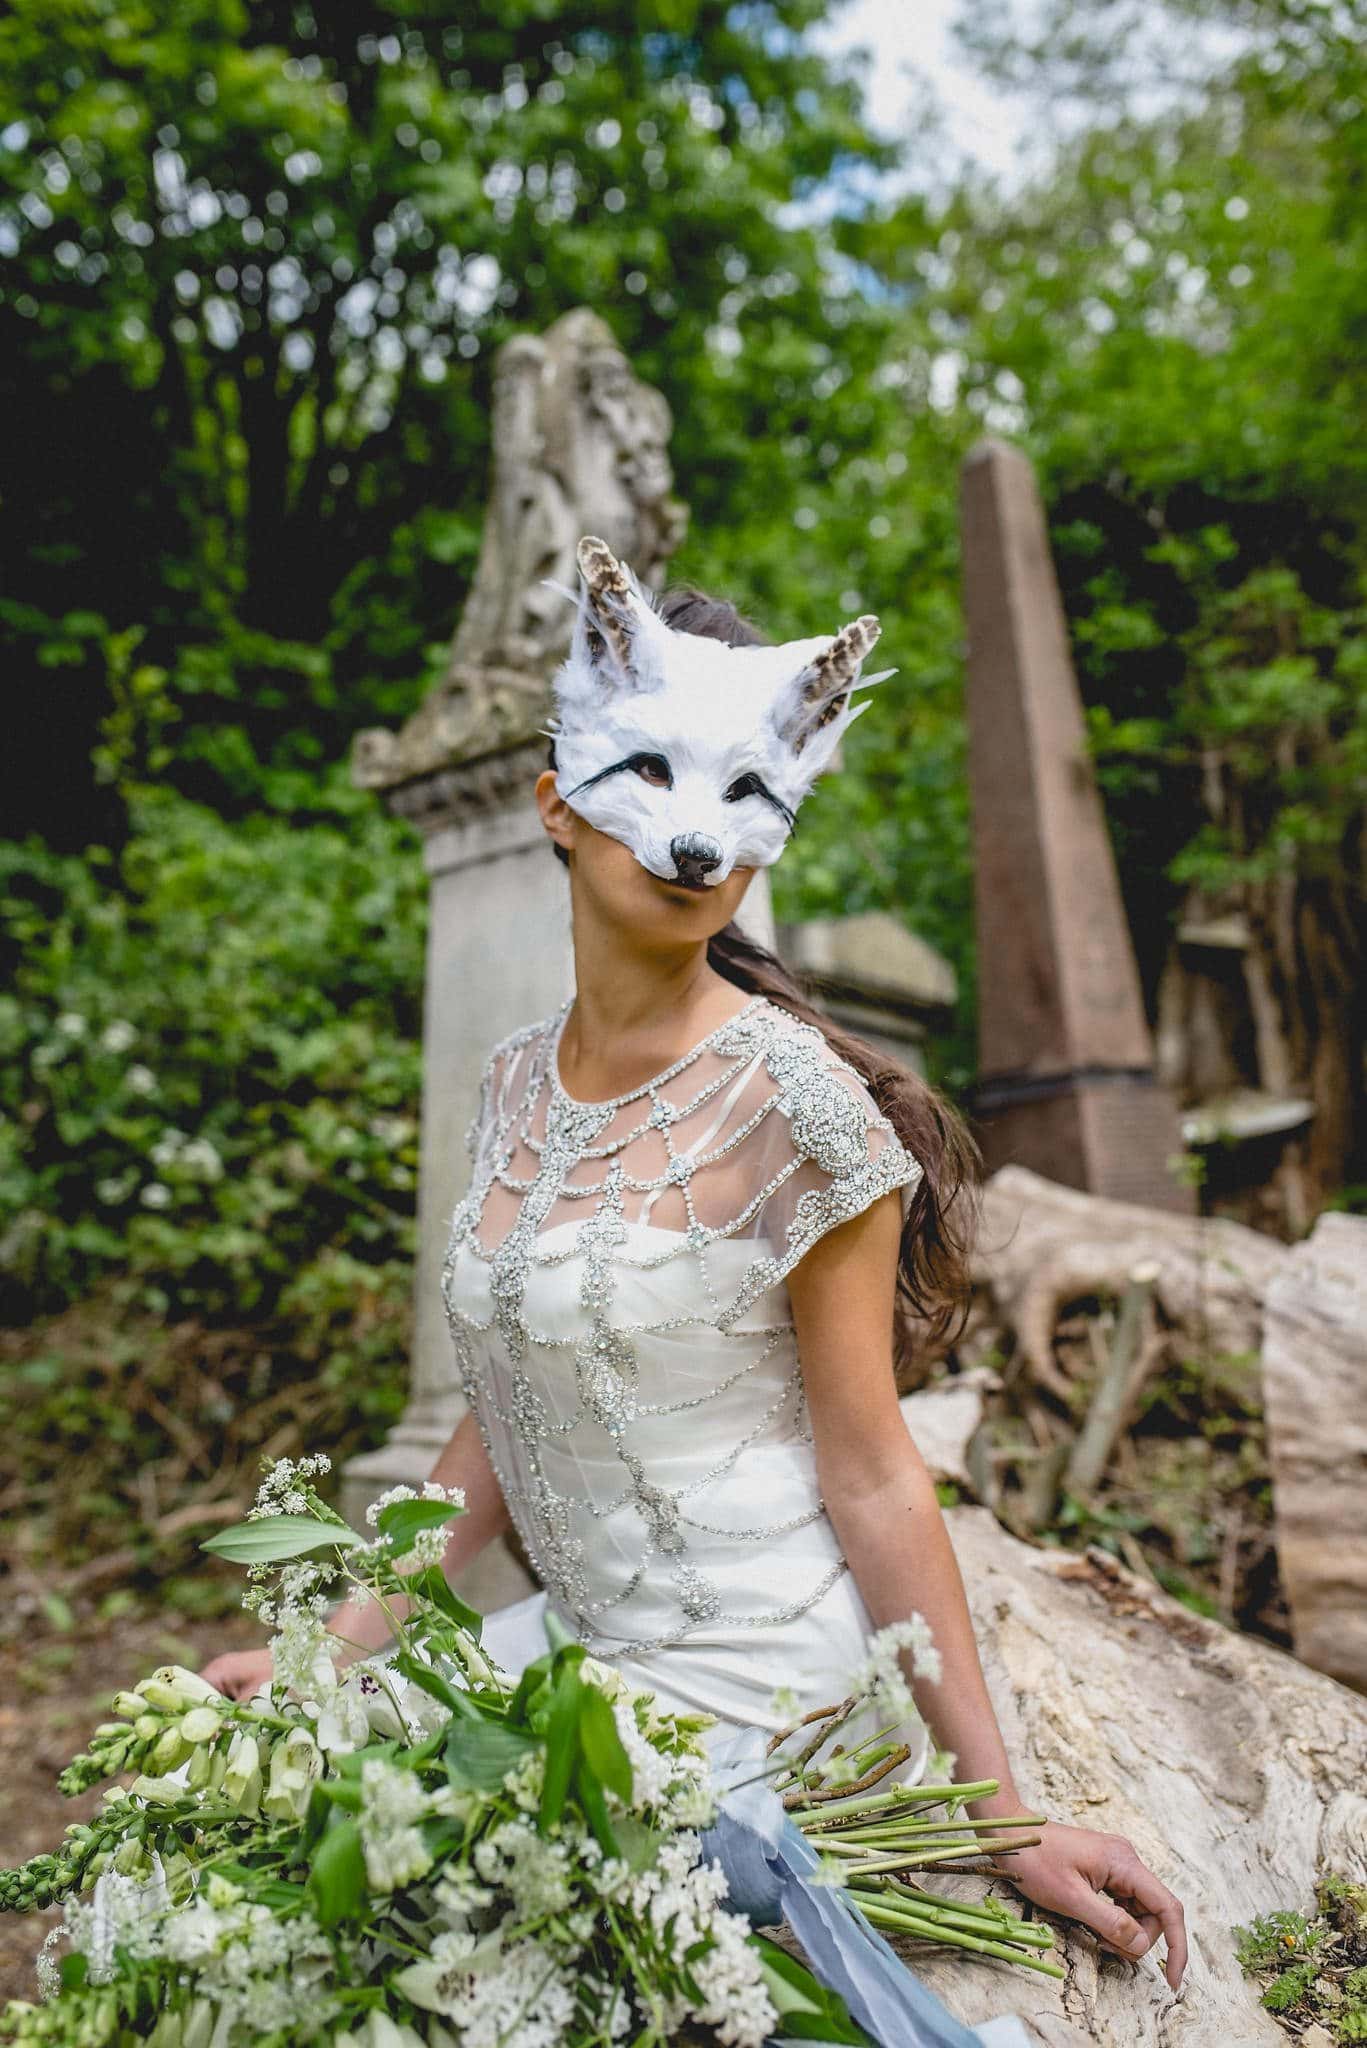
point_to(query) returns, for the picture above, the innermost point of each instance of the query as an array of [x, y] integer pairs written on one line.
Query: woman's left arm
[[882, 1503]]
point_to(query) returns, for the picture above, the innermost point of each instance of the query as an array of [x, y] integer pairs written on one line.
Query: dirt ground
[[53, 1691]]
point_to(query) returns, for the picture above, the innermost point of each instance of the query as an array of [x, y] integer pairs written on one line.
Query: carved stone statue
[[580, 445]]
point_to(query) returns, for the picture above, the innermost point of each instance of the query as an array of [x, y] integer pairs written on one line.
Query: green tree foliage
[[208, 1061], [1172, 320], [258, 260]]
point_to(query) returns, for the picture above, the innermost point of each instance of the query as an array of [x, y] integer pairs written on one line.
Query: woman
[[694, 1201]]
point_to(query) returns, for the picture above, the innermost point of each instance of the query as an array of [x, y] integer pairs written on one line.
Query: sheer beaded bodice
[[615, 1288]]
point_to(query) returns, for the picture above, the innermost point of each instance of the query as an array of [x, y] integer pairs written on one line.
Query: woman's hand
[[239, 1673], [1100, 1880]]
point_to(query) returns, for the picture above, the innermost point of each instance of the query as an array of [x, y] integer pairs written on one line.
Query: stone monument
[[1066, 1060], [875, 977], [580, 445]]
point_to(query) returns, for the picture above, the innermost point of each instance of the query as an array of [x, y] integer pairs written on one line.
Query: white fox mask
[[694, 754]]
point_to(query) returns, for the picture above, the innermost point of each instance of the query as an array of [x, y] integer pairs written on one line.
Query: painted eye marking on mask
[[652, 768], [751, 785]]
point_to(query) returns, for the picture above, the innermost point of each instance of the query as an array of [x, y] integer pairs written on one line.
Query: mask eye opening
[[743, 786], [660, 775], [751, 784]]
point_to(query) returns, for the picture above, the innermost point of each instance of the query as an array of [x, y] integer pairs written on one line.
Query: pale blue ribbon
[[769, 1864]]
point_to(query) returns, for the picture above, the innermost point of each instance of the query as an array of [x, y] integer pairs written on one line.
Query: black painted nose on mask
[[695, 856]]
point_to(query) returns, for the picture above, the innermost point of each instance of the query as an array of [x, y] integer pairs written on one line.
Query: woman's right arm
[[365, 1628]]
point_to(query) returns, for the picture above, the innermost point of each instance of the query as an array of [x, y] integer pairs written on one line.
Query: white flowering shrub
[[400, 1850]]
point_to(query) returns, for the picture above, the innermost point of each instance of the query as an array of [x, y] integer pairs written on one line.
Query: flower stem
[[902, 1920], [829, 1814]]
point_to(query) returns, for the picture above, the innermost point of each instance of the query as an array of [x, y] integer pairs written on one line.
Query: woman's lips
[[678, 882]]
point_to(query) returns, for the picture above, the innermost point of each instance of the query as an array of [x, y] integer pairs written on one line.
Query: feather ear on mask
[[820, 692], [693, 753]]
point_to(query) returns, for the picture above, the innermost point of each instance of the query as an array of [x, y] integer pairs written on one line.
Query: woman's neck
[[635, 1012]]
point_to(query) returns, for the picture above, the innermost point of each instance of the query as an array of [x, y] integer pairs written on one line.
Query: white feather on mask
[[694, 754]]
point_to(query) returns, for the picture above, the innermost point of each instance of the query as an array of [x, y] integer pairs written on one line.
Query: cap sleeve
[[817, 1152]]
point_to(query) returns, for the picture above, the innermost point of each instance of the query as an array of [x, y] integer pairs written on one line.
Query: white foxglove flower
[[169, 1749], [296, 1764], [342, 1724], [242, 1785], [201, 1724], [519, 1997], [172, 1689], [157, 1791]]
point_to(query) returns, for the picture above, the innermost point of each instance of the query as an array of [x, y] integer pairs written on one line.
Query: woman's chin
[[701, 907]]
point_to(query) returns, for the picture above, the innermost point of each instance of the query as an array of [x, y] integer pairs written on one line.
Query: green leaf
[[433, 1584], [479, 1754], [534, 1679], [438, 1688], [337, 1879], [557, 1635], [596, 1811], [602, 1745], [636, 1842], [277, 1892], [562, 1748], [807, 2009], [315, 1818], [343, 1792], [275, 1537], [403, 1521]]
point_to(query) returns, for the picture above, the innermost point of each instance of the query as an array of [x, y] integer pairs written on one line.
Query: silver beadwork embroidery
[[544, 1400]]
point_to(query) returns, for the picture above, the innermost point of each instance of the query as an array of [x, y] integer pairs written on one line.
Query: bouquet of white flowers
[[418, 1848], [415, 1849]]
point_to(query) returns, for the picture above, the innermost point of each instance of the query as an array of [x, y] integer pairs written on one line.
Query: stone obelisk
[[580, 445], [1066, 1063]]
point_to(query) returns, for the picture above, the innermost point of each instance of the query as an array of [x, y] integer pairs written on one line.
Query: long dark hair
[[934, 1278]]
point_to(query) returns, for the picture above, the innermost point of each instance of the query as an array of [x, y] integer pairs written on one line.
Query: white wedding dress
[[615, 1287]]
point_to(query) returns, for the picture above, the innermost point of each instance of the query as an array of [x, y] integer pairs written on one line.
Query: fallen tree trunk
[[1236, 1771], [1315, 1389], [1043, 1245]]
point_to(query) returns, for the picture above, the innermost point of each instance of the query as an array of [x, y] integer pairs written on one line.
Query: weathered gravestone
[[876, 978], [1066, 1060]]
